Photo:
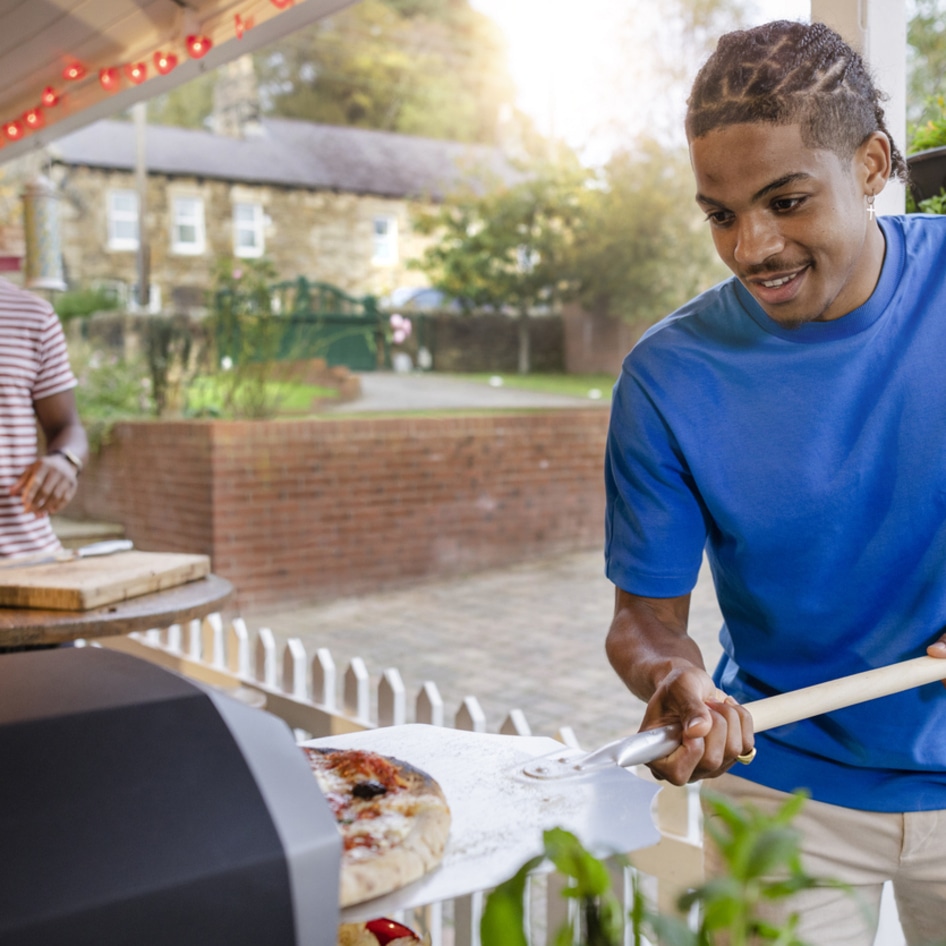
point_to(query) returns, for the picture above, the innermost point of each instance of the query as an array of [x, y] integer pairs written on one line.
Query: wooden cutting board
[[88, 583]]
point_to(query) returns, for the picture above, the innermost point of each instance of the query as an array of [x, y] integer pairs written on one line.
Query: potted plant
[[927, 163]]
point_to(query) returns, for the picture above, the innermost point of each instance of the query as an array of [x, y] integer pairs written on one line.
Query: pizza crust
[[417, 854]]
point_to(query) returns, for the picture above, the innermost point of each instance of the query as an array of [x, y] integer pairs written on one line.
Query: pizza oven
[[139, 807]]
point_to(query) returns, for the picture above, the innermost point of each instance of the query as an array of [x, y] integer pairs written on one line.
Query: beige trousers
[[863, 849]]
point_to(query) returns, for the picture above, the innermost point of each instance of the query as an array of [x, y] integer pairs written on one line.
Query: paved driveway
[[415, 391], [528, 637]]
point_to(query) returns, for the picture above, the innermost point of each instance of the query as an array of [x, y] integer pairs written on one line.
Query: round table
[[21, 627]]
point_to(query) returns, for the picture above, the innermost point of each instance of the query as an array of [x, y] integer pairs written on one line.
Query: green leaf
[[503, 920], [570, 857], [770, 850]]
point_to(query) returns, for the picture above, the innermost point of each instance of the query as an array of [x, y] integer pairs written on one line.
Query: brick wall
[[294, 511]]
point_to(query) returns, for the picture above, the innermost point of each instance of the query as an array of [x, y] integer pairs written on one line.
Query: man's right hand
[[650, 649], [715, 728]]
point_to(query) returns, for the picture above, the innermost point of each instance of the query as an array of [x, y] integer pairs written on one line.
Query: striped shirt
[[34, 364]]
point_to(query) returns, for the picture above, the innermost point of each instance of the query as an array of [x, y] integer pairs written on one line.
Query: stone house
[[329, 203]]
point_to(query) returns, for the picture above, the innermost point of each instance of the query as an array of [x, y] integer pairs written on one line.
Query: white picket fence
[[310, 695]]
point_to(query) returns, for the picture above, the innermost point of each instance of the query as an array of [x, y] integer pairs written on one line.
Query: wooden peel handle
[[846, 691]]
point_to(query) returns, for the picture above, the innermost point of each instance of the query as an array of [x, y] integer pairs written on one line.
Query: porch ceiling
[[39, 39]]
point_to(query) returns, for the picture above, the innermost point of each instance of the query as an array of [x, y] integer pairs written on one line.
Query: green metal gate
[[300, 319]]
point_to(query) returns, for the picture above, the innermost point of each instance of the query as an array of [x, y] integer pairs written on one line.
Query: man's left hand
[[938, 649], [47, 485]]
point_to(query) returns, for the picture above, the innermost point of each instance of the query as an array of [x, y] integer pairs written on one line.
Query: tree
[[926, 61], [509, 247], [435, 68], [414, 66], [187, 106], [662, 55], [626, 240], [643, 251]]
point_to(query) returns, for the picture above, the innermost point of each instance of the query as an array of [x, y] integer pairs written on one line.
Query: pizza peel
[[498, 814], [653, 744]]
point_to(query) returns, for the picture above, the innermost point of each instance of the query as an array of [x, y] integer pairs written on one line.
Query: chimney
[[236, 108]]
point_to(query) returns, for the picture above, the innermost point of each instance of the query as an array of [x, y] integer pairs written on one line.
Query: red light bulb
[[109, 78], [49, 97], [34, 118], [74, 71], [164, 62], [282, 4], [13, 130], [240, 25], [136, 71], [198, 46]]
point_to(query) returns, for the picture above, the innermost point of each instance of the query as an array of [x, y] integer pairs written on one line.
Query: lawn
[[574, 385]]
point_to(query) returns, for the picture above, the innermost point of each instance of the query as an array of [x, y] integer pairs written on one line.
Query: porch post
[[877, 29]]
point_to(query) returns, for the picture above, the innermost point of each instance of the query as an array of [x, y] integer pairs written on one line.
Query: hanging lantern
[[49, 97], [74, 71], [109, 78], [164, 62], [137, 72], [43, 263], [198, 46]]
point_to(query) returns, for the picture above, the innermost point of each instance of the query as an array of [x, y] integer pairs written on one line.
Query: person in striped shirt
[[37, 392]]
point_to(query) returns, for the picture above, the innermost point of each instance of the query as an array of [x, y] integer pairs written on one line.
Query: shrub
[[762, 864], [79, 303]]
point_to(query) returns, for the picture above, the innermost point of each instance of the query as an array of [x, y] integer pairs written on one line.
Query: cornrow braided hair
[[785, 73]]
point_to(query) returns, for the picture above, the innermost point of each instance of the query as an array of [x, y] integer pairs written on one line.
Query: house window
[[248, 222], [385, 241], [122, 220], [187, 226]]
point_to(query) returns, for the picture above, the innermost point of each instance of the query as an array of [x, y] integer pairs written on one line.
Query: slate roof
[[289, 153]]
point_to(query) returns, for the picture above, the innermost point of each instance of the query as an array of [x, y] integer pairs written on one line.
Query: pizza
[[393, 818]]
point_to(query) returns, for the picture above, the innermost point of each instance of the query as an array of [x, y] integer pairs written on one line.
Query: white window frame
[[256, 226], [198, 245], [116, 215], [384, 245]]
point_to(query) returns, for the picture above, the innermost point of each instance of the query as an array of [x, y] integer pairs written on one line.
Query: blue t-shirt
[[811, 465]]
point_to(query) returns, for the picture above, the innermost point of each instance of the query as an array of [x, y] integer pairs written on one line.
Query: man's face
[[790, 221]]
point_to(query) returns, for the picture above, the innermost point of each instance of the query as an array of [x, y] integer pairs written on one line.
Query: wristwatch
[[71, 457]]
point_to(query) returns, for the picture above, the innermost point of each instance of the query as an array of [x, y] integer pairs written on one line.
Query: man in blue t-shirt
[[791, 422]]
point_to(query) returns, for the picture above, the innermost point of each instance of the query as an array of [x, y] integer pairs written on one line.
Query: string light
[[198, 46], [241, 25], [109, 78], [164, 62], [137, 72]]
